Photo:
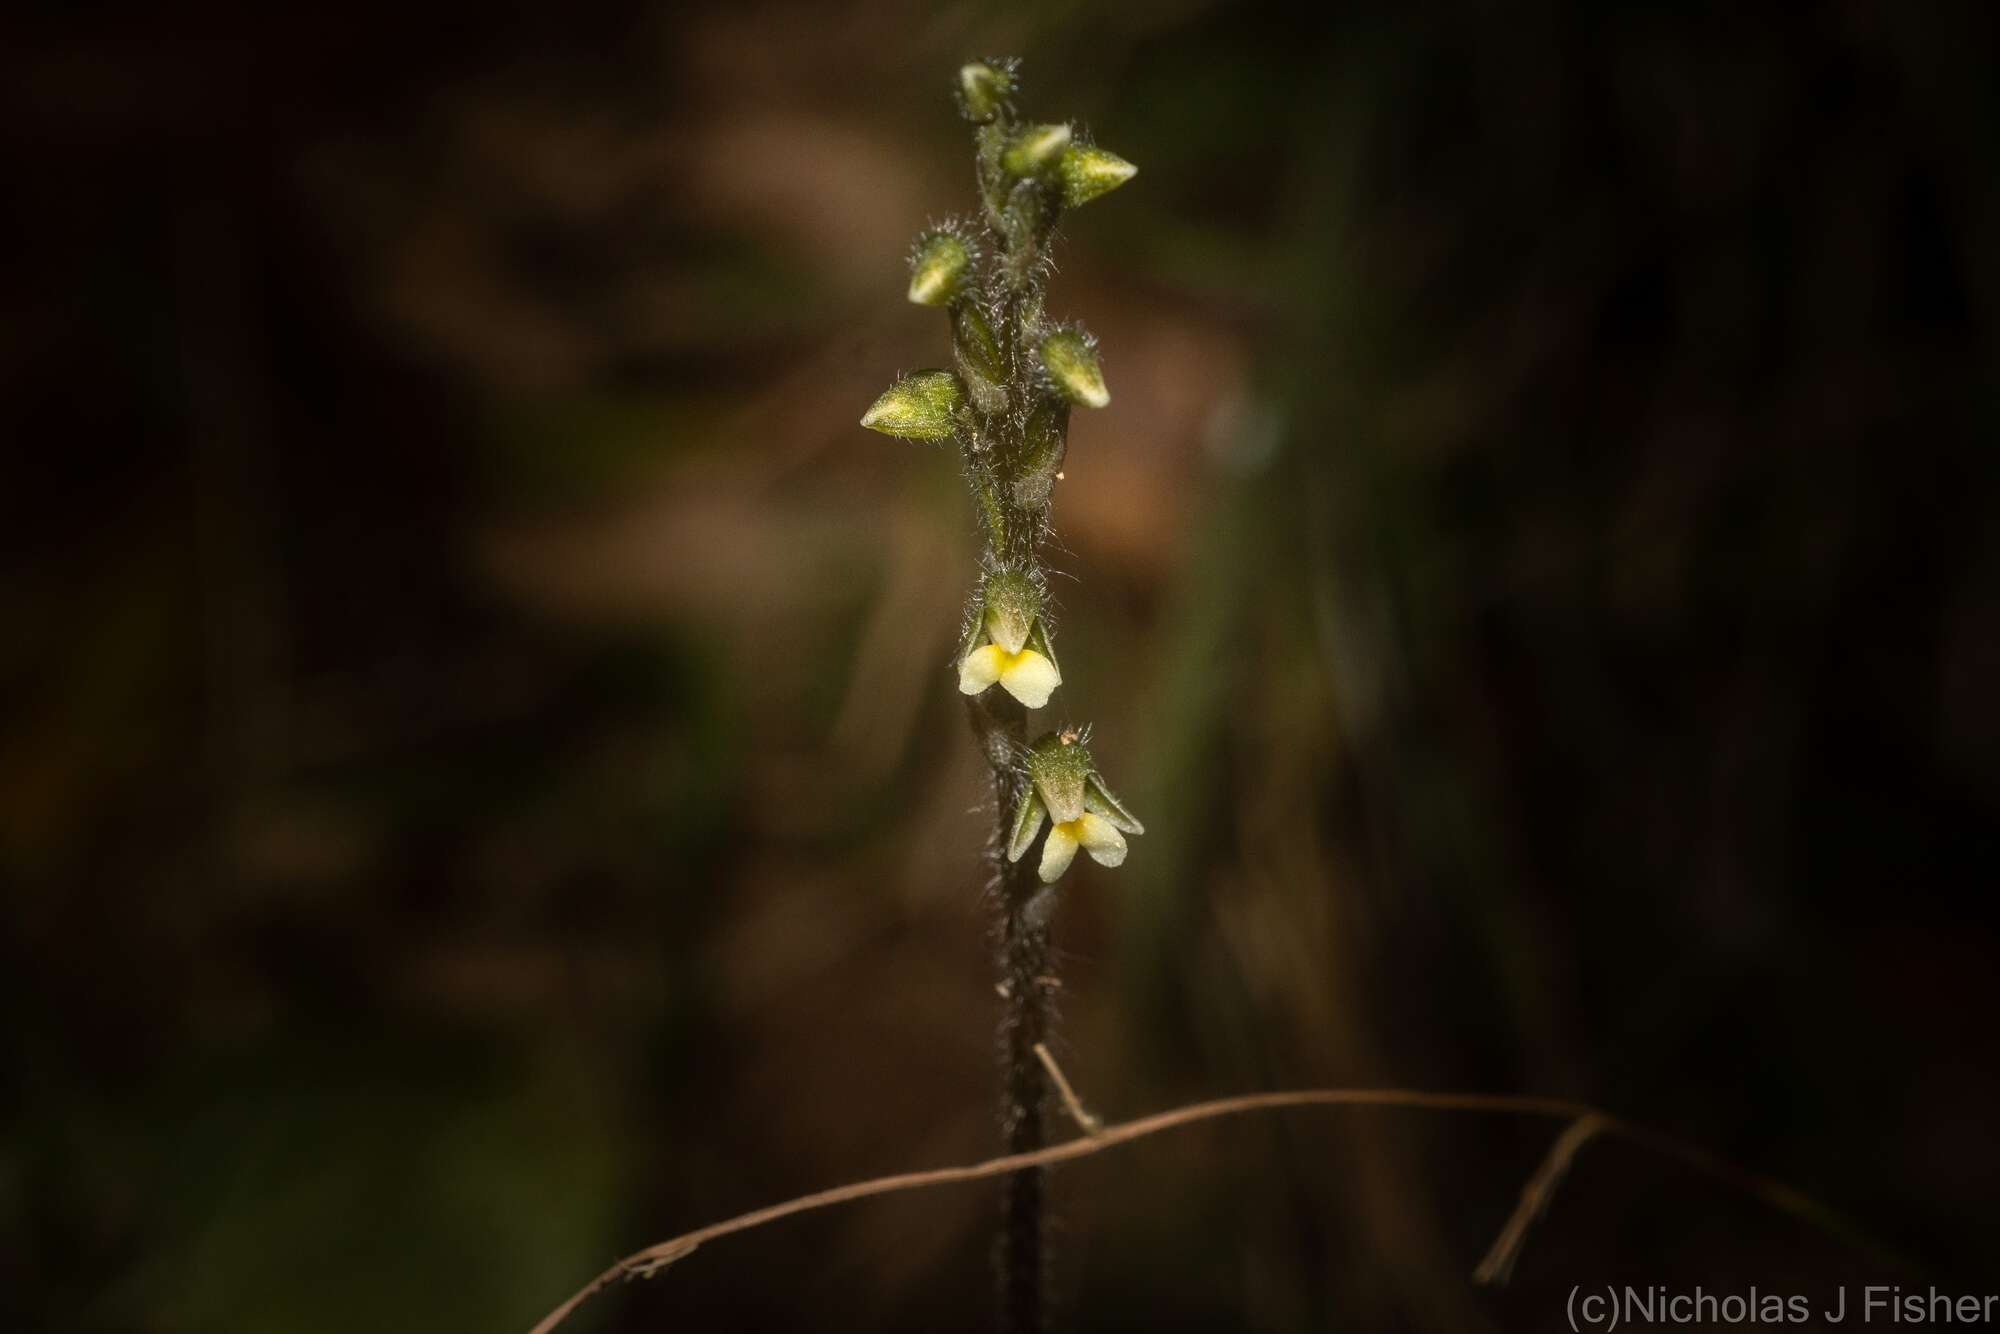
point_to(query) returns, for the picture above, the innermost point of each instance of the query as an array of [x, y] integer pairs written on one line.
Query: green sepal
[[1028, 817], [1100, 800], [1038, 640]]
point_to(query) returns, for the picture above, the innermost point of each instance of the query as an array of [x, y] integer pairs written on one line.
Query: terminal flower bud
[[1035, 149], [1087, 172], [923, 405], [983, 88], [1071, 359], [938, 269], [1065, 789], [1008, 642]]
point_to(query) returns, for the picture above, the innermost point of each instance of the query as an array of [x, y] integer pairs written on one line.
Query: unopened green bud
[[921, 406], [1044, 441], [938, 269], [1087, 172], [1072, 364], [1035, 149], [972, 338], [983, 88]]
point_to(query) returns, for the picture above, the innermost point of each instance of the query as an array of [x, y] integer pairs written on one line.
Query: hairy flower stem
[[1024, 903], [1006, 405], [1027, 982]]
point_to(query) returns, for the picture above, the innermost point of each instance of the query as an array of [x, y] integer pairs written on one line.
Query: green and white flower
[[1065, 789], [1008, 643]]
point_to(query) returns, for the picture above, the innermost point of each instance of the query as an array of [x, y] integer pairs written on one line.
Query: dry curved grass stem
[[1586, 1122]]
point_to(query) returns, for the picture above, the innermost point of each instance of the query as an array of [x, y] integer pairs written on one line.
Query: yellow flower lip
[[1026, 675], [1093, 833]]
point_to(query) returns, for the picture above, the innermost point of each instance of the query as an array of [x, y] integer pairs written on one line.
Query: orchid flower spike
[[1065, 789], [1009, 643]]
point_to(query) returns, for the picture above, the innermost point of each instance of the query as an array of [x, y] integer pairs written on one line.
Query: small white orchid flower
[[1065, 789], [1009, 644]]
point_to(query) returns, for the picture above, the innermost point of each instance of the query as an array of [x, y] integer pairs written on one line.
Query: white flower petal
[[981, 668], [1029, 677], [1058, 850], [1101, 839]]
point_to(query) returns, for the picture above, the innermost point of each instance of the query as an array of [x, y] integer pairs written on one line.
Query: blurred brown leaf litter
[[483, 788]]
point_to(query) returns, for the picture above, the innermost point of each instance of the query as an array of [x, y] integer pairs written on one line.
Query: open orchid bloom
[[1009, 644], [1065, 789]]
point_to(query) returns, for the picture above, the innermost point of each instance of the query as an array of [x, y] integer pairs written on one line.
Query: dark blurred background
[[482, 788]]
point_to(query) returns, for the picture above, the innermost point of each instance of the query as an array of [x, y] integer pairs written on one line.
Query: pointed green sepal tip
[[938, 269], [1072, 363], [921, 406], [1035, 149], [1101, 800], [1087, 172], [1028, 817], [1011, 604], [983, 88]]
